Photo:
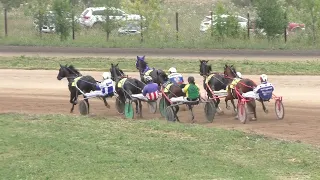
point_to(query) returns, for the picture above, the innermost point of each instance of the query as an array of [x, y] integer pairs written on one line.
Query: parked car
[[49, 22], [95, 15], [130, 28], [206, 22], [295, 27], [292, 28]]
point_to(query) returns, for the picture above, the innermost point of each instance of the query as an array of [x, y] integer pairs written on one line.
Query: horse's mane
[[73, 70]]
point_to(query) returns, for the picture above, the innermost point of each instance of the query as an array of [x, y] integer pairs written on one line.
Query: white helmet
[[172, 70], [106, 75], [239, 74], [147, 79], [263, 78]]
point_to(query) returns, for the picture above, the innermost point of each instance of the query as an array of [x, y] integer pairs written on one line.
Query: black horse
[[158, 75], [216, 81], [75, 78], [126, 86]]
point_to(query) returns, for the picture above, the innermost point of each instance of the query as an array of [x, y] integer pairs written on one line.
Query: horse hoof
[[266, 111], [253, 119], [228, 107], [108, 106], [236, 118]]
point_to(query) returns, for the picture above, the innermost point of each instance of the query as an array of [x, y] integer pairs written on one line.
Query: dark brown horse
[[243, 86]]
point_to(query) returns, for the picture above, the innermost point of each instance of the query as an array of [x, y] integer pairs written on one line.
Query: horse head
[[116, 72], [141, 64], [63, 72], [205, 69], [230, 71], [162, 76]]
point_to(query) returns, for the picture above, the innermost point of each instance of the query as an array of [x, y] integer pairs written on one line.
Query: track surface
[[162, 53], [39, 91]]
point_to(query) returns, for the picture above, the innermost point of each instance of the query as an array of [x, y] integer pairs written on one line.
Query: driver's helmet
[[239, 74], [263, 78], [147, 79], [172, 70], [106, 75]]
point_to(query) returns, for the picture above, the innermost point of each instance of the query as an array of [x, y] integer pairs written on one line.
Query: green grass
[[183, 66], [71, 147], [21, 32]]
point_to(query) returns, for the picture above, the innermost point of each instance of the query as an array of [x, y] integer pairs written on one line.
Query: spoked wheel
[[83, 107], [279, 109], [170, 114], [162, 107], [242, 112], [210, 111], [120, 106], [152, 106], [128, 110]]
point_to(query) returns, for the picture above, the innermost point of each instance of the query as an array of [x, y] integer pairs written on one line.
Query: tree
[[312, 8], [150, 12], [110, 23], [271, 17], [38, 10], [61, 9], [224, 26], [8, 4]]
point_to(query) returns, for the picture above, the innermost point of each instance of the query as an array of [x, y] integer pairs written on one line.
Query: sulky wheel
[[120, 106], [210, 111], [242, 112], [152, 106], [162, 107], [128, 110], [83, 107], [279, 109], [170, 114]]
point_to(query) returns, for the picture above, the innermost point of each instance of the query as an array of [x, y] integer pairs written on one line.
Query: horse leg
[[234, 106], [253, 107], [87, 101], [264, 107], [191, 111], [176, 110], [72, 100], [105, 102], [137, 106], [140, 108], [226, 100], [219, 110]]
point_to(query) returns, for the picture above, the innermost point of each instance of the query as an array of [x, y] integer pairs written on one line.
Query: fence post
[[5, 22], [285, 28], [73, 34], [211, 25], [177, 26], [248, 25]]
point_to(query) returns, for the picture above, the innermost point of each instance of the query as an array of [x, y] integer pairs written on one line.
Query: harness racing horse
[[126, 86], [212, 81], [242, 85], [158, 75], [75, 79]]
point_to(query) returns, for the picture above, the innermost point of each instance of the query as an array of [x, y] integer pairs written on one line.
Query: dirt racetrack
[[39, 91]]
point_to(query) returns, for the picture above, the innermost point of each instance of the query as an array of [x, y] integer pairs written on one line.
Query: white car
[[130, 29], [206, 22], [95, 15]]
